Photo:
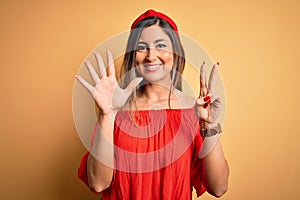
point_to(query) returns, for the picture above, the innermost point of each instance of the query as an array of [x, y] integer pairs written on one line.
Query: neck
[[156, 92]]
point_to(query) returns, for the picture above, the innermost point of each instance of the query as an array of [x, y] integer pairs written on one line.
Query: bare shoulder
[[185, 100]]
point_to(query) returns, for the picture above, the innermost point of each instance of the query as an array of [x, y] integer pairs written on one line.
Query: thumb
[[204, 100], [133, 84]]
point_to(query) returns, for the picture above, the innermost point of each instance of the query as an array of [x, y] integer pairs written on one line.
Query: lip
[[152, 67]]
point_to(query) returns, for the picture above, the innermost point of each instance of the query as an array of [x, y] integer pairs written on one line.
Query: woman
[[156, 130]]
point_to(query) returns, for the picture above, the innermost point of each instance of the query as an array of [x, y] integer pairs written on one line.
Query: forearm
[[215, 171], [100, 162]]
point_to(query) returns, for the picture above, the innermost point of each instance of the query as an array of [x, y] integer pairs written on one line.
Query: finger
[[216, 107], [212, 77], [206, 122], [111, 65], [92, 71], [217, 101], [101, 65], [132, 85], [203, 87], [203, 100], [85, 84]]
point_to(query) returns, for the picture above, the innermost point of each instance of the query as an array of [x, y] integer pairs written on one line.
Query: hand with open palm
[[106, 92]]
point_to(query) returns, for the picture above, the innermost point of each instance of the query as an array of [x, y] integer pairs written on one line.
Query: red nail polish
[[206, 98]]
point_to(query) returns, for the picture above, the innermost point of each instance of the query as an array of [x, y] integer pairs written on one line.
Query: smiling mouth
[[153, 67]]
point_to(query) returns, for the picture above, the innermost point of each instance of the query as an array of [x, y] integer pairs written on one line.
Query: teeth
[[152, 67]]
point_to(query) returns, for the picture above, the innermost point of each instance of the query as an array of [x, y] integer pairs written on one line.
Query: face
[[154, 56]]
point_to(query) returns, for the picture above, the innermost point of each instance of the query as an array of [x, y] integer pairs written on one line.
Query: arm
[[109, 98], [215, 171], [100, 162], [214, 166]]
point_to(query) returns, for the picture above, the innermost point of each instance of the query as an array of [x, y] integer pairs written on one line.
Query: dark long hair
[[129, 64]]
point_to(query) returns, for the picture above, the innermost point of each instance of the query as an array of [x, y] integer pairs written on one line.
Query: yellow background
[[43, 44]]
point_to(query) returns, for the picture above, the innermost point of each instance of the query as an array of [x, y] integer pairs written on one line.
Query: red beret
[[153, 13]]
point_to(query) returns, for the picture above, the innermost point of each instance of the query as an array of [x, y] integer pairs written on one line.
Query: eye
[[161, 45], [141, 47]]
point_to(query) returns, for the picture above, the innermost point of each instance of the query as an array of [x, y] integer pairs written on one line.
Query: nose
[[151, 54]]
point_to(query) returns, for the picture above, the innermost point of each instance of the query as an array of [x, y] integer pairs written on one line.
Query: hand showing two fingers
[[106, 91], [209, 103]]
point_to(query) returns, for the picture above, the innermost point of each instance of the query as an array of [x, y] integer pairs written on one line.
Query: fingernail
[[218, 63], [203, 62], [205, 105], [206, 98]]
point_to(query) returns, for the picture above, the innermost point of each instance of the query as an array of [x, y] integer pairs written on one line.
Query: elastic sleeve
[[196, 168]]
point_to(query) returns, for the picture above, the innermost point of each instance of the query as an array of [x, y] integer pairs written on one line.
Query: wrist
[[107, 114], [211, 129]]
